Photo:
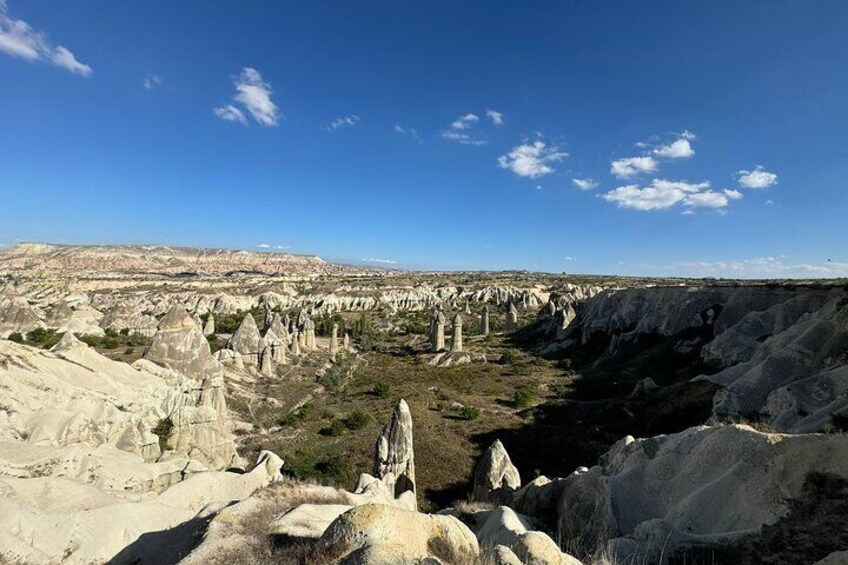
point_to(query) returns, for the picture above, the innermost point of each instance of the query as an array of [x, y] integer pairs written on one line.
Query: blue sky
[[661, 137]]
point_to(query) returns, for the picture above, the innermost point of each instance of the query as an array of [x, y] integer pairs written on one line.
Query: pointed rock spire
[[495, 477], [394, 460]]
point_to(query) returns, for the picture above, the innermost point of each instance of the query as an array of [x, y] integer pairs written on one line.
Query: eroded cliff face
[[778, 352]]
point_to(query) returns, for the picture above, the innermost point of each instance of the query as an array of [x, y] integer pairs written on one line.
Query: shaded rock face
[[16, 315], [780, 353], [181, 345], [201, 421], [495, 477], [505, 528], [706, 485], [394, 461], [511, 317]]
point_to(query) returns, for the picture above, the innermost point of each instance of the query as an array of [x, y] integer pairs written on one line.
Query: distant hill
[[164, 259]]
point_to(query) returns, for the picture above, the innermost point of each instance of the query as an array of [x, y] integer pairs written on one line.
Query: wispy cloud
[[19, 39], [663, 194], [632, 166], [269, 246], [496, 117], [532, 160], [254, 94], [757, 178], [585, 184], [151, 81], [383, 261], [459, 131], [411, 132], [342, 122], [231, 114]]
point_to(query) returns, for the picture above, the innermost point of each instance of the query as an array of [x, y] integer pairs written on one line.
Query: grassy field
[[332, 439]]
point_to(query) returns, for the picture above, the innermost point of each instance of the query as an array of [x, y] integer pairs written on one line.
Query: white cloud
[[263, 246], [343, 122], [254, 94], [762, 267], [151, 81], [19, 39], [663, 194], [464, 122], [679, 149], [531, 160], [585, 184], [769, 202], [758, 178], [632, 166], [269, 246], [459, 131], [495, 116], [384, 261], [231, 114]]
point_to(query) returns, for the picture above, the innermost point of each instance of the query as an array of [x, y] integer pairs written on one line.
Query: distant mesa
[[174, 261]]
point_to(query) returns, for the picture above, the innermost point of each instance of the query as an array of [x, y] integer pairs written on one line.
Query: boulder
[[382, 535]]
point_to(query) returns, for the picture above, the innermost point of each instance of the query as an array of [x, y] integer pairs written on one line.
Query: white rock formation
[[180, 345], [394, 460]]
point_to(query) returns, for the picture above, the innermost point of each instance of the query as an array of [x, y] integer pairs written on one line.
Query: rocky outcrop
[[495, 477], [16, 315], [394, 460], [503, 527], [86, 525], [246, 340], [180, 345], [73, 395], [778, 352], [704, 486]]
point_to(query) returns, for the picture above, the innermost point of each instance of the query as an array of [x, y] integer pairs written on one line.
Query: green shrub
[[522, 397], [564, 364], [335, 469], [469, 413], [357, 420], [90, 340], [16, 337], [110, 332], [110, 342], [508, 357], [41, 337], [163, 429], [294, 418], [129, 350], [381, 390], [337, 428]]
